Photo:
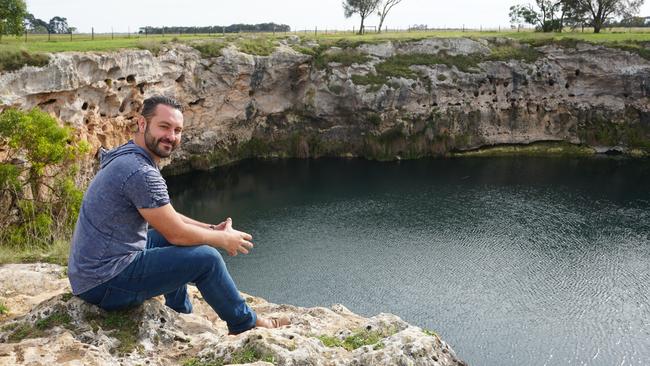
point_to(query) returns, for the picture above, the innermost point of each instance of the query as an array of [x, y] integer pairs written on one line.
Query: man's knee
[[207, 257]]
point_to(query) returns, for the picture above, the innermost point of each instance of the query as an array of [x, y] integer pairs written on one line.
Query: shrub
[[40, 201], [256, 46], [11, 60], [506, 53], [209, 49], [155, 47]]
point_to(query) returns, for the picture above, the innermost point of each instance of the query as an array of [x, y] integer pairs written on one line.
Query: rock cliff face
[[46, 325], [294, 104]]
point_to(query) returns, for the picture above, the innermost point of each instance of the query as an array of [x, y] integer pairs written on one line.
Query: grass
[[123, 326], [256, 46], [24, 330], [345, 57], [246, 354], [54, 319], [356, 340], [210, 48], [504, 53], [249, 354], [15, 51], [153, 46], [430, 332], [197, 362], [13, 59], [56, 253], [104, 42], [3, 309]]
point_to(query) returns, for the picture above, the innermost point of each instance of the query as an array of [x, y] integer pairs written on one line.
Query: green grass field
[[103, 42]]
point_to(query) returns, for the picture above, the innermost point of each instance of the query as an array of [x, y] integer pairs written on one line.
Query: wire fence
[[315, 31]]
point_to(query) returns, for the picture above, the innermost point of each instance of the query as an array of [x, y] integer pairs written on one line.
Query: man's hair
[[150, 104]]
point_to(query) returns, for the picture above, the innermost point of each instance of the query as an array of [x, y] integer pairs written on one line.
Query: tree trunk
[[381, 23], [598, 24], [361, 30]]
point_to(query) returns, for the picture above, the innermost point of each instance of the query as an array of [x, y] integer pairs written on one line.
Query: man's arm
[[178, 232], [190, 221]]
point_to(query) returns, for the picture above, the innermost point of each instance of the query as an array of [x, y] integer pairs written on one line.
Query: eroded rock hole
[[84, 106], [577, 72], [196, 102], [181, 78], [130, 79]]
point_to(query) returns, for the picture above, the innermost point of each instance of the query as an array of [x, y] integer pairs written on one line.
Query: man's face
[[162, 132]]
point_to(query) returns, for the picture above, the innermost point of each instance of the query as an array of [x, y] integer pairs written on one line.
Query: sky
[[129, 15]]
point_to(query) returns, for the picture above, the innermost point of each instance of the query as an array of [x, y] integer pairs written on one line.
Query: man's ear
[[141, 124]]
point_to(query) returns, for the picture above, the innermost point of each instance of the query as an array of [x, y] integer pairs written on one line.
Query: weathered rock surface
[[285, 104], [48, 326]]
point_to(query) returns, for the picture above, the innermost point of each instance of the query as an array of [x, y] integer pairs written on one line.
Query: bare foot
[[272, 322]]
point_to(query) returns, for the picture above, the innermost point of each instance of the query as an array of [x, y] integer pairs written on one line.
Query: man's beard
[[153, 144]]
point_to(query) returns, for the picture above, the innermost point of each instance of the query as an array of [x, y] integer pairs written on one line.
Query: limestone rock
[[50, 326], [287, 104]]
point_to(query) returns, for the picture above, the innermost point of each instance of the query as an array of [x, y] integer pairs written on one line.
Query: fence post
[[92, 33], [163, 31], [25, 35], [70, 35], [315, 31], [48, 35], [112, 34]]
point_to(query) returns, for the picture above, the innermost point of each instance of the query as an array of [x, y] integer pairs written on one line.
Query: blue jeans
[[163, 268]]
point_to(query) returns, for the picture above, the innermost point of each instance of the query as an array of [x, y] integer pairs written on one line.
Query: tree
[[12, 13], [545, 19], [35, 25], [574, 14], [600, 10], [361, 7], [59, 25], [385, 8]]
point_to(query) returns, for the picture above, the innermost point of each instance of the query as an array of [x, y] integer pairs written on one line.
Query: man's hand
[[236, 241], [220, 226], [174, 228]]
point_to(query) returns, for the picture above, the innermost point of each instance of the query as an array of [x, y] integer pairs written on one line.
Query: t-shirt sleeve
[[146, 188]]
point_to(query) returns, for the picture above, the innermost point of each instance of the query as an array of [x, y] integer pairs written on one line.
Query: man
[[115, 262]]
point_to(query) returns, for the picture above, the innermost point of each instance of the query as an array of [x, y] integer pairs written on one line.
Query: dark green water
[[514, 261]]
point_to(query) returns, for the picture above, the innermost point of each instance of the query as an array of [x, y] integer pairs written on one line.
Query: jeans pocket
[[117, 298]]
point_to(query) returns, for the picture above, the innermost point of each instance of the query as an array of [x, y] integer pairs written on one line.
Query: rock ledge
[[47, 325]]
